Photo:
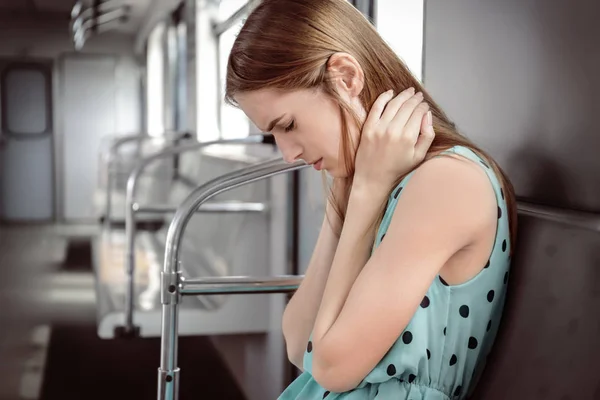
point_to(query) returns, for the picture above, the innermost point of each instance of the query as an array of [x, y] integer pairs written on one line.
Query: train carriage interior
[[151, 235]]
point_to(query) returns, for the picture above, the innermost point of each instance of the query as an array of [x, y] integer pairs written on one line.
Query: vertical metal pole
[[109, 185], [168, 373], [130, 228]]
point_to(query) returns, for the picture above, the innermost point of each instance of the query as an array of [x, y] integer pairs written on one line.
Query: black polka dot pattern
[[502, 193], [397, 192], [411, 378], [499, 213], [505, 277], [382, 237], [490, 295], [444, 331], [391, 370], [407, 337], [326, 394], [425, 302], [504, 245], [489, 326], [464, 311], [473, 343], [443, 281], [309, 347], [487, 265], [428, 354], [485, 164], [453, 360], [458, 390]]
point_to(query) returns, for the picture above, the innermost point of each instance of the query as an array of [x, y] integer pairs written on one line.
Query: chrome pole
[[214, 207], [168, 373], [240, 285], [112, 156], [220, 27], [130, 210]]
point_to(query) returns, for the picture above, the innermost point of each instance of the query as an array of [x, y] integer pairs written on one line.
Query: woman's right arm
[[301, 311]]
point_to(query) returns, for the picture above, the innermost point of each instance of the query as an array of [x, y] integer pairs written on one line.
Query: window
[[155, 82], [233, 123], [400, 23], [26, 100]]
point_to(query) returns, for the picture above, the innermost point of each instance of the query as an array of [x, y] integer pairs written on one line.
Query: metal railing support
[[112, 156], [131, 208], [173, 286]]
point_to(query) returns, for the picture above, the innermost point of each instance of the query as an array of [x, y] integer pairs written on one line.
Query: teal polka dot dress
[[442, 351]]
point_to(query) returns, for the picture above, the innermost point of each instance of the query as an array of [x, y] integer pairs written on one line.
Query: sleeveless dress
[[443, 349]]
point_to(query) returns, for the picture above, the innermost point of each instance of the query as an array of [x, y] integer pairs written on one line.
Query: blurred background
[[98, 93]]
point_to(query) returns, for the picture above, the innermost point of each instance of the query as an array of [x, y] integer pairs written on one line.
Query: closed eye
[[291, 126]]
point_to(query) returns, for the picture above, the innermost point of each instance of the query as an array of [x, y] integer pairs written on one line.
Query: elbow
[[333, 376], [294, 350], [294, 356]]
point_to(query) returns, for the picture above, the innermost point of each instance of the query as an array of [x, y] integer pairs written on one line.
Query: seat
[[547, 346]]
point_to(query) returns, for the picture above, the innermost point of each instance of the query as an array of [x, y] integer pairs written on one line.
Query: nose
[[291, 150]]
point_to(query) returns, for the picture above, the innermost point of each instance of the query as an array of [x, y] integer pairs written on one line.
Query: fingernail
[[412, 90], [420, 94], [429, 118]]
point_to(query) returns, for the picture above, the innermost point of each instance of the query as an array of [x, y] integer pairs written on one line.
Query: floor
[[48, 345]]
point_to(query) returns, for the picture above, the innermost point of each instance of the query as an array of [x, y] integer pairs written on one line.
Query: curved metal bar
[[220, 27], [168, 373], [112, 155], [130, 228], [580, 219]]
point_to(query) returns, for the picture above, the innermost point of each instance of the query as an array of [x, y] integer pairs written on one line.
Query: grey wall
[[30, 41], [520, 78]]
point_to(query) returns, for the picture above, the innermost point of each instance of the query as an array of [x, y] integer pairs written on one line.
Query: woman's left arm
[[368, 302]]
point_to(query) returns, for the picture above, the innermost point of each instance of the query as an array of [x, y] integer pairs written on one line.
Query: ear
[[347, 74]]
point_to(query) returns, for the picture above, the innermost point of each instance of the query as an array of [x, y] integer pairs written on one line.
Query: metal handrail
[[215, 207], [220, 27], [579, 219], [131, 209], [112, 156], [240, 285], [173, 286]]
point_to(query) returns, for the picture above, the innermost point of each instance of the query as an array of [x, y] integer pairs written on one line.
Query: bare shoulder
[[451, 188]]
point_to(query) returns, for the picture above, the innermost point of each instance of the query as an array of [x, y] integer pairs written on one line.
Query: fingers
[[377, 109], [407, 98], [402, 116], [414, 124], [425, 140], [387, 102]]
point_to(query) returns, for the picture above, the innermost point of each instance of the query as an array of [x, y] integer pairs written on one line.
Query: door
[[26, 147], [89, 104]]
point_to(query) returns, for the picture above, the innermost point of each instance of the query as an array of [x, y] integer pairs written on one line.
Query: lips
[[318, 165]]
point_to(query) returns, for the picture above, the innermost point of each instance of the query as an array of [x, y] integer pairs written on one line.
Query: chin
[[339, 173]]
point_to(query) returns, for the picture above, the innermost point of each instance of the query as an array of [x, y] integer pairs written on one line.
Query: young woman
[[404, 293]]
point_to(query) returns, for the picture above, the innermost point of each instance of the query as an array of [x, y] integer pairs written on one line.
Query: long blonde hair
[[286, 45]]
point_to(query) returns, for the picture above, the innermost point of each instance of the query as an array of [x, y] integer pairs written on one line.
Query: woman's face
[[306, 125]]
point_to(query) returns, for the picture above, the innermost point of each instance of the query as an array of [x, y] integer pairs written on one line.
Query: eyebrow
[[273, 123]]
